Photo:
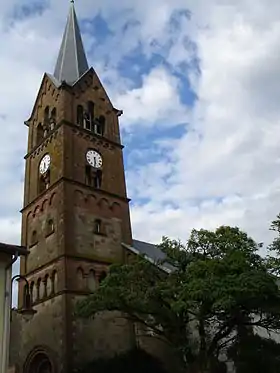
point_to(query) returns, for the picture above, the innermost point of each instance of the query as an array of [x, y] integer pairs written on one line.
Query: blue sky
[[199, 86]]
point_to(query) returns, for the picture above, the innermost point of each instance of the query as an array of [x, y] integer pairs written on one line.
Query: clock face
[[45, 164], [94, 158]]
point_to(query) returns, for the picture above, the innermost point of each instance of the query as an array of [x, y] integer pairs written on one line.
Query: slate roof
[[72, 62], [150, 251]]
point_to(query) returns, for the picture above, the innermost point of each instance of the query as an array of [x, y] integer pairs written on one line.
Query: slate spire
[[72, 62]]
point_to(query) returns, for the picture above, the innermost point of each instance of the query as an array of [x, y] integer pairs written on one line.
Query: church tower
[[75, 218]]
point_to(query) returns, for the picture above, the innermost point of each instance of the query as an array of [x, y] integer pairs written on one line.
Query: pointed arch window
[[87, 124], [80, 115], [53, 119], [39, 134], [100, 125], [46, 115], [91, 114]]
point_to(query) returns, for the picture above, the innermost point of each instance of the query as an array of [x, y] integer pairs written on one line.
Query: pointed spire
[[72, 62]]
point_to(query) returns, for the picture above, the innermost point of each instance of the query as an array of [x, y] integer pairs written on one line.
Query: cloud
[[231, 153], [210, 67], [157, 100]]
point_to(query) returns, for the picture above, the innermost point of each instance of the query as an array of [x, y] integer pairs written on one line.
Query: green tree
[[203, 292], [273, 259], [252, 353]]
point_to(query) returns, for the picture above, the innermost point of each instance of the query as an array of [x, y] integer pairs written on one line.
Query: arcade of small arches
[[83, 200], [85, 118], [42, 288], [89, 280]]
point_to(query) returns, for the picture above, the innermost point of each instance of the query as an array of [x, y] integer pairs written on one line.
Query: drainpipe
[[7, 312]]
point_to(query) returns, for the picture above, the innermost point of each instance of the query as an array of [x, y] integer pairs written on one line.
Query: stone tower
[[75, 218]]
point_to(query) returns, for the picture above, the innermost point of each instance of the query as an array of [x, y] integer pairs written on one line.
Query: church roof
[[72, 62], [150, 251]]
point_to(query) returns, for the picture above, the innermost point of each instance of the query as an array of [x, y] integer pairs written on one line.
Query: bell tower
[[75, 216]]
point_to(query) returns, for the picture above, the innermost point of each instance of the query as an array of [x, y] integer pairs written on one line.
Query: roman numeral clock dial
[[94, 159]]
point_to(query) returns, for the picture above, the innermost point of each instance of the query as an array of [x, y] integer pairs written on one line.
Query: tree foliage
[[210, 287], [252, 353]]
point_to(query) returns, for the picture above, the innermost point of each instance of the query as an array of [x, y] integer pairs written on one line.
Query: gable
[[46, 82]]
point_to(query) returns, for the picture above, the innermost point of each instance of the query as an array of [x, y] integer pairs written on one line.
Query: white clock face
[[45, 164], [94, 158]]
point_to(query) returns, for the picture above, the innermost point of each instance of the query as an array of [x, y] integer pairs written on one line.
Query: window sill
[[100, 234], [33, 244], [49, 234]]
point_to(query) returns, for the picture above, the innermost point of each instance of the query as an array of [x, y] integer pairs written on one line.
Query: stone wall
[[45, 329]]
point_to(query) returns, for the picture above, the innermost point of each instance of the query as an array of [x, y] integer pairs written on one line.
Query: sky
[[198, 82]]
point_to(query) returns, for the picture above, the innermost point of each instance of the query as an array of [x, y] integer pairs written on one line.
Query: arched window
[[54, 282], [80, 115], [34, 238], [50, 227], [97, 226], [87, 124], [48, 286], [80, 279], [53, 118], [40, 289], [91, 281], [46, 115], [39, 134], [32, 285], [100, 125], [53, 113]]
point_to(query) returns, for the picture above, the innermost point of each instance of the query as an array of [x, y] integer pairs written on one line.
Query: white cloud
[[233, 150], [225, 170], [157, 100]]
